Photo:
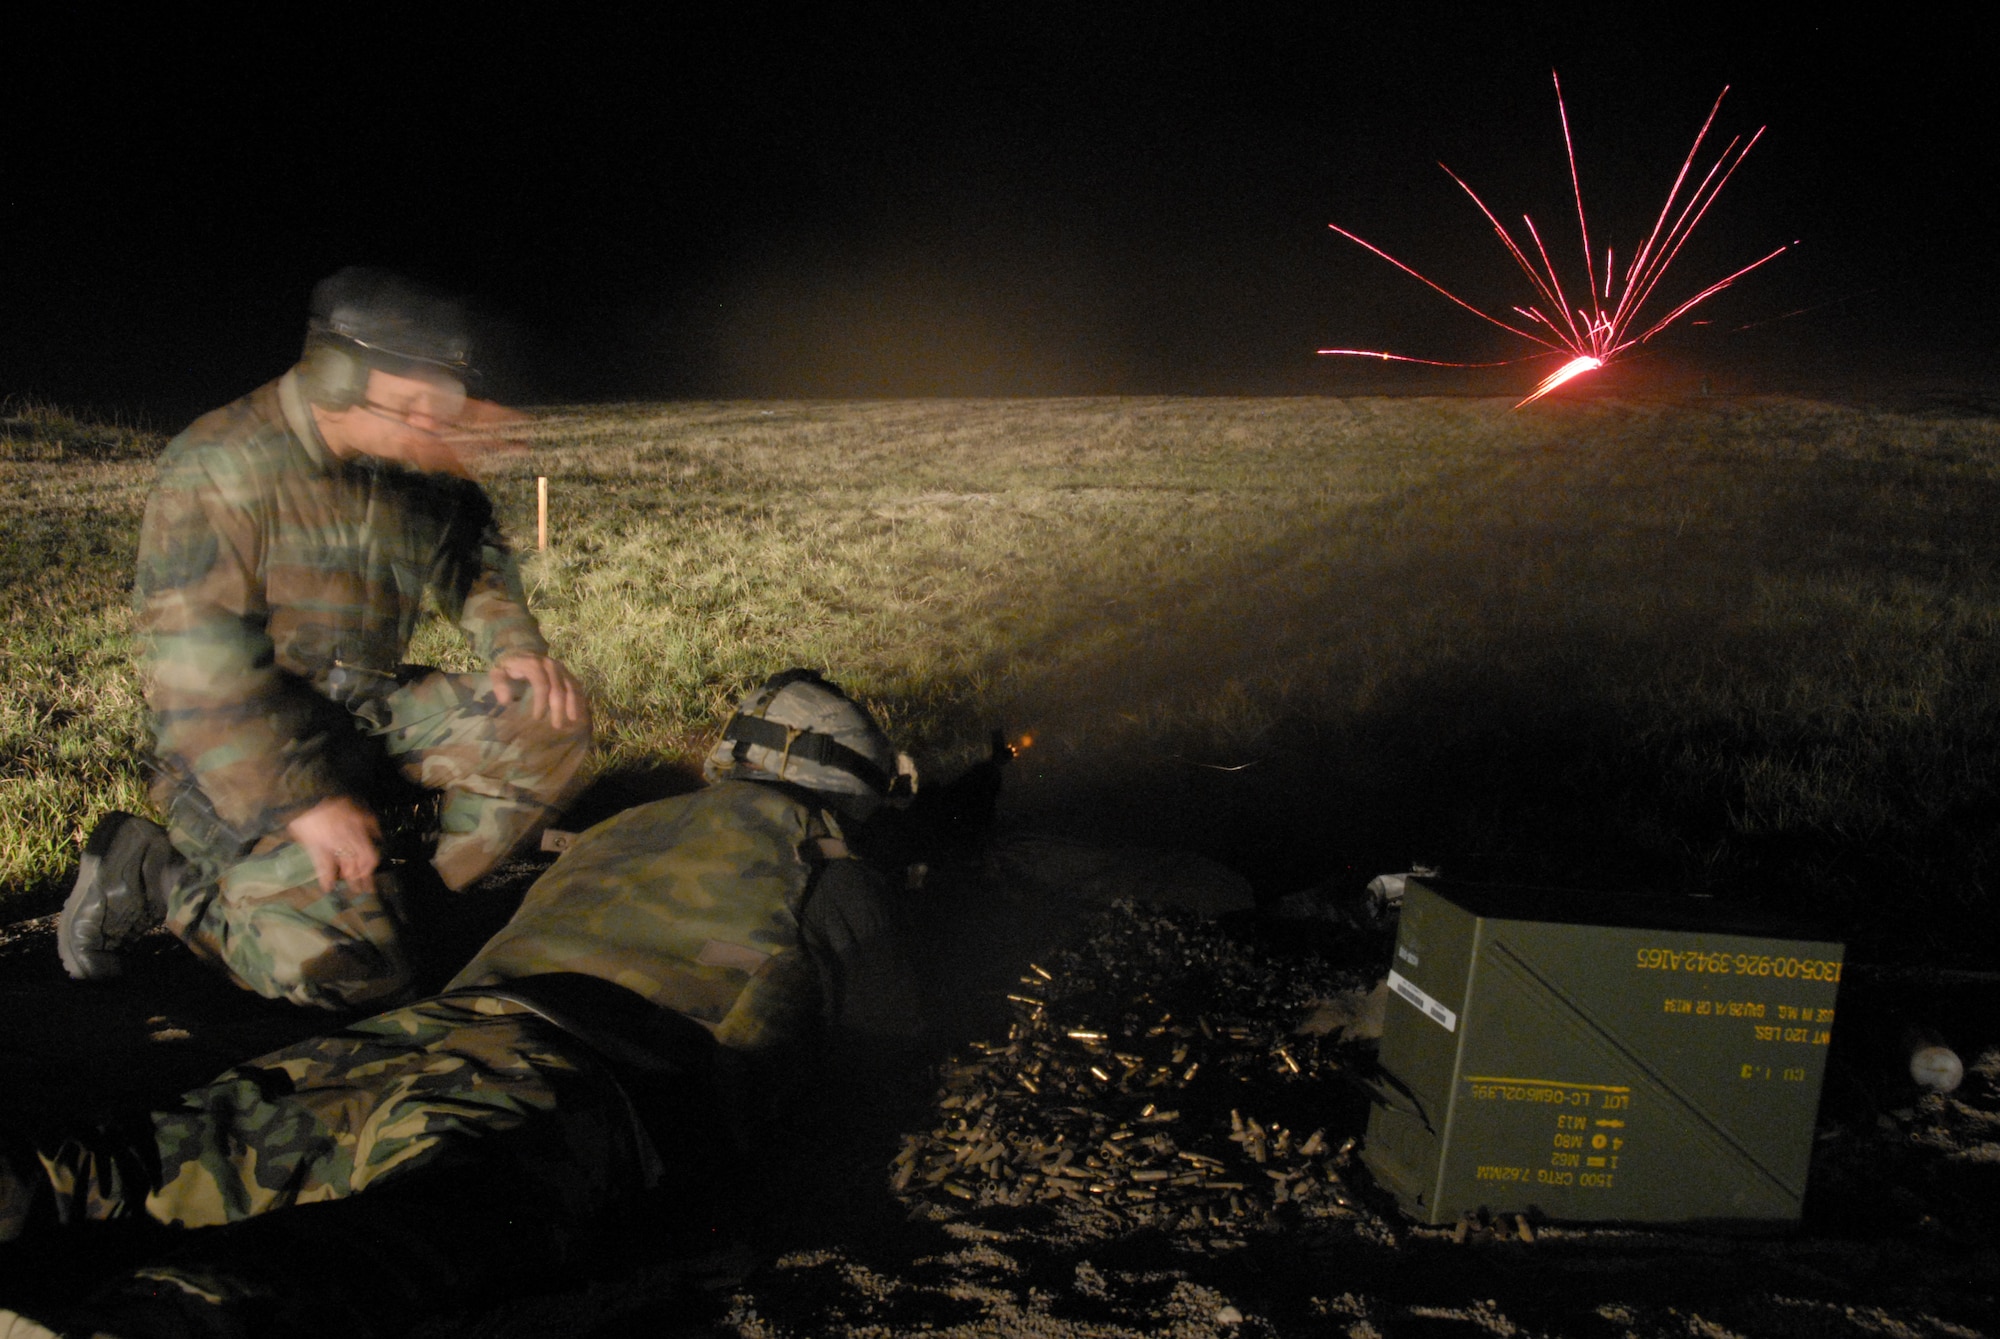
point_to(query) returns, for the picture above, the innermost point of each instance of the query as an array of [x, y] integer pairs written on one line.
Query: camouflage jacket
[[721, 905], [265, 564]]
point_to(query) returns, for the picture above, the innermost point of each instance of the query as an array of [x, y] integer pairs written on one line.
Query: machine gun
[[943, 824]]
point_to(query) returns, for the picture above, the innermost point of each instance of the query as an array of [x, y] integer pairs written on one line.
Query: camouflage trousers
[[455, 1085], [254, 906], [489, 1144]]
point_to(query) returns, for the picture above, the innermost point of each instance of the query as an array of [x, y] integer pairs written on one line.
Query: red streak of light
[[1576, 184], [1592, 336], [1429, 362], [1439, 287], [1705, 294], [1569, 371]]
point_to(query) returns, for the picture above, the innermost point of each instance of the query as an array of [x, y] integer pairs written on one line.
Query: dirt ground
[[1212, 1188]]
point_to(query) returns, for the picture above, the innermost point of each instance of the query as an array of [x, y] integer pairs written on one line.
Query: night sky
[[669, 202]]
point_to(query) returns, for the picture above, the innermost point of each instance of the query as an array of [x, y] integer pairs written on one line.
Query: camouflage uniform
[[277, 591], [693, 903], [420, 1089], [734, 907]]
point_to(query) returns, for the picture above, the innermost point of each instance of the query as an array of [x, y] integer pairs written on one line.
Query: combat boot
[[129, 868]]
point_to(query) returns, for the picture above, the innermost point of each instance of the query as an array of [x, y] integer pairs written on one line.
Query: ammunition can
[[1599, 1058]]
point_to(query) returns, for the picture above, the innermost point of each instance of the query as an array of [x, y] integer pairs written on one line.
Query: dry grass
[[70, 714], [1738, 646]]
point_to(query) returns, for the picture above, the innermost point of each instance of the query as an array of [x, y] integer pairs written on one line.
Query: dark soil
[[859, 1217]]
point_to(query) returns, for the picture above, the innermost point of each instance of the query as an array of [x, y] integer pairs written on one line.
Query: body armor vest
[[692, 903]]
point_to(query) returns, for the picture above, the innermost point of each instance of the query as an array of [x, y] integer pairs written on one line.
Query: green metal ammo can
[[1592, 1057]]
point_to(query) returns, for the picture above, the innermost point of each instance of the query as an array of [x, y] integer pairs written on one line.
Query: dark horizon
[[1022, 203]]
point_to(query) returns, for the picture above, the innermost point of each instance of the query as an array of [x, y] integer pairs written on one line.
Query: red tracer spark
[[1597, 330]]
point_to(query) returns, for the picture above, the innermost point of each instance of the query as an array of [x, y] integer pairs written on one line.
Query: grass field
[[1744, 647]]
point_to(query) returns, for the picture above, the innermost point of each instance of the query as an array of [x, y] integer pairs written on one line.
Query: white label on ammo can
[[1429, 1007]]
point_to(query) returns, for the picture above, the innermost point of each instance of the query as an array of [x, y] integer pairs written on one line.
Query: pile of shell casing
[[1153, 1072]]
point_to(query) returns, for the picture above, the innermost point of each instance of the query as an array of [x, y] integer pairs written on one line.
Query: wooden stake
[[541, 511]]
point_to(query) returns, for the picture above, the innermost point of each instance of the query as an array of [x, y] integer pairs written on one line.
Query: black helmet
[[364, 319]]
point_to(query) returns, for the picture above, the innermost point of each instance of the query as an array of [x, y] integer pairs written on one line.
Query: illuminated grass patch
[[1742, 647]]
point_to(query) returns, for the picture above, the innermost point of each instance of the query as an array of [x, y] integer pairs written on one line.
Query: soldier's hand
[[556, 693], [340, 835]]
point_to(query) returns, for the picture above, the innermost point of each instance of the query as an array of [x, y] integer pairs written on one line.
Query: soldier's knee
[[322, 968], [340, 980], [280, 935], [550, 755]]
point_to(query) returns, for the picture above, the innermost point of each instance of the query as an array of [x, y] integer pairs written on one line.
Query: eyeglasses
[[440, 411]]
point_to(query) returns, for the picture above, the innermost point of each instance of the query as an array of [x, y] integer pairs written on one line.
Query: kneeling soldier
[[290, 545]]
